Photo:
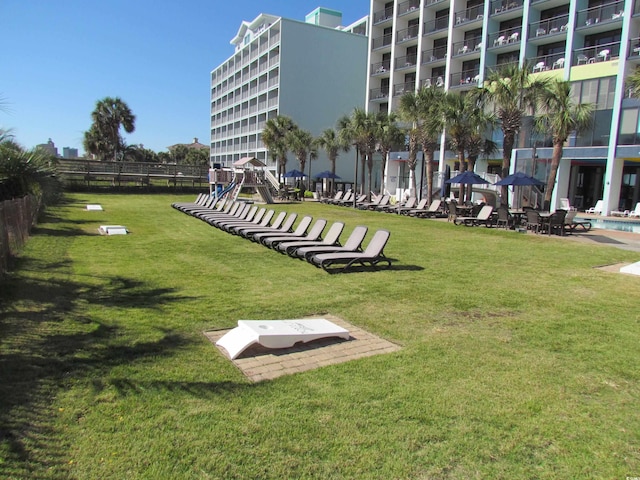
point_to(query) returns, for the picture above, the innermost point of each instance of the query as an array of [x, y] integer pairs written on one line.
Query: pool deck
[[603, 236]]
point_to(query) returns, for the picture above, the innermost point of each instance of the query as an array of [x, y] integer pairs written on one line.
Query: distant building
[[68, 152], [313, 72], [48, 147], [194, 144]]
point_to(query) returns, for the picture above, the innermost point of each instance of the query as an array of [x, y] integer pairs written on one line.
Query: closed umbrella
[[445, 189]]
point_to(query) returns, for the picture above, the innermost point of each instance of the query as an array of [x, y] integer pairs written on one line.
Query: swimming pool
[[609, 224]]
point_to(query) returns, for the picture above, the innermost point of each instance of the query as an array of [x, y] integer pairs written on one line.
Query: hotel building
[[313, 72], [454, 44]]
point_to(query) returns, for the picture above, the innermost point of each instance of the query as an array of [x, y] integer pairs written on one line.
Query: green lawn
[[519, 359]]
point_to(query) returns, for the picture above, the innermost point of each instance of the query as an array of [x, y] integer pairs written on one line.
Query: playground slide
[[226, 190]]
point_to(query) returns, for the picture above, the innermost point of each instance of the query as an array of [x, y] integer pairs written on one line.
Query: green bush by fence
[[17, 216]]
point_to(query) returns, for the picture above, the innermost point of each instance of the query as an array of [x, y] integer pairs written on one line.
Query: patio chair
[[452, 211], [582, 59], [596, 209], [505, 219], [331, 239], [556, 223], [372, 256], [315, 233], [565, 204], [287, 227], [353, 244], [534, 221], [482, 218], [539, 67]]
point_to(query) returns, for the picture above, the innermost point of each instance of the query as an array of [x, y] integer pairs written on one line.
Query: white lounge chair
[[596, 209], [636, 211]]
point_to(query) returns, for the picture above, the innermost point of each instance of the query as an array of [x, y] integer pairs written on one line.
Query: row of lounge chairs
[[382, 204], [304, 241]]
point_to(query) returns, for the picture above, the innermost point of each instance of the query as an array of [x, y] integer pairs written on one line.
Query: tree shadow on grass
[[48, 343]]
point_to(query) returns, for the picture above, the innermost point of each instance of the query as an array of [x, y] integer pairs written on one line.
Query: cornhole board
[[633, 269], [113, 230], [94, 207], [277, 334]]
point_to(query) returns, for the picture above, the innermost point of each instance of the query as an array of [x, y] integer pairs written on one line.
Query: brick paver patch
[[259, 363]]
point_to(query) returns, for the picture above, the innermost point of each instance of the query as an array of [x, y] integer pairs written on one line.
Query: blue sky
[[60, 56]]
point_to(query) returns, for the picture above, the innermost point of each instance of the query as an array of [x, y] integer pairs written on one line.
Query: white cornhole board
[[113, 230], [277, 334], [633, 269], [94, 207]]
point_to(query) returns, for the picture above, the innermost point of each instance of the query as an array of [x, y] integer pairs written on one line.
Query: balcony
[[400, 89], [382, 16], [380, 67], [407, 61], [434, 55], [437, 82], [471, 14], [408, 7], [381, 42], [502, 6], [436, 25], [465, 78], [505, 37], [550, 26], [600, 53], [467, 46], [544, 63], [378, 94], [407, 34], [429, 3], [634, 48], [595, 16]]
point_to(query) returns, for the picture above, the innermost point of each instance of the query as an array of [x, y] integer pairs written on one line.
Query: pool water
[[608, 224]]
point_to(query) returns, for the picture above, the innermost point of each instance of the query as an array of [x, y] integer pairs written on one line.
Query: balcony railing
[[429, 3], [470, 14], [402, 88], [382, 15], [549, 26], [604, 13], [437, 24], [467, 77], [407, 34], [383, 41], [634, 47], [467, 46], [543, 63], [505, 37], [380, 67], [379, 93], [500, 6], [433, 55], [437, 81], [406, 61], [408, 7], [600, 53]]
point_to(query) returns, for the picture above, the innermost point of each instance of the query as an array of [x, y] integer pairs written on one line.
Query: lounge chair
[[483, 218], [286, 227], [353, 244], [248, 212], [230, 209], [237, 211], [409, 204], [636, 211], [264, 223], [200, 199], [433, 211], [596, 209], [331, 239], [250, 230], [421, 205], [336, 197], [373, 204], [571, 224], [254, 218], [209, 205], [372, 256], [315, 233], [347, 197]]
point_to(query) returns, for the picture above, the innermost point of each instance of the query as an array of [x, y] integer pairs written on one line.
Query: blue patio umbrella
[[467, 178], [294, 174], [520, 179], [327, 174]]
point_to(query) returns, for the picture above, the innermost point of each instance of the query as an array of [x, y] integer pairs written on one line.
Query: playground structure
[[248, 172]]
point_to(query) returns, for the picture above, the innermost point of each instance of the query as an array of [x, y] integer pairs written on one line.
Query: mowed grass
[[519, 359]]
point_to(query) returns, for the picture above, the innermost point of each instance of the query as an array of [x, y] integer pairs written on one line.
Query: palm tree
[[302, 144], [103, 138], [560, 117], [273, 137], [513, 93], [430, 104], [409, 110], [633, 83], [358, 129], [332, 143], [459, 123], [389, 135]]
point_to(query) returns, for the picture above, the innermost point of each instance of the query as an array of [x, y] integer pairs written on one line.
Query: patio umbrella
[[520, 179], [294, 174], [327, 174], [467, 178]]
